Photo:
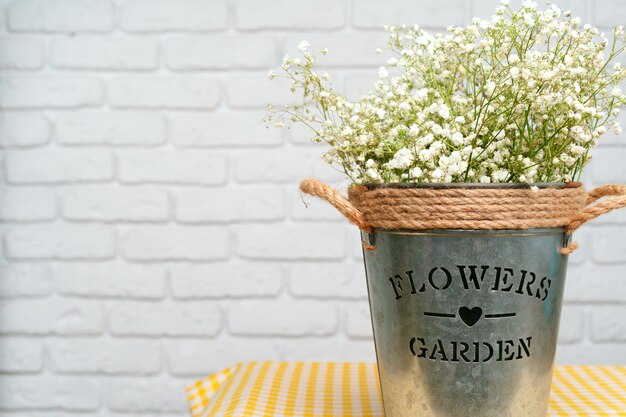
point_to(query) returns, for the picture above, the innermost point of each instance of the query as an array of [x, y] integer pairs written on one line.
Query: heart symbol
[[470, 315]]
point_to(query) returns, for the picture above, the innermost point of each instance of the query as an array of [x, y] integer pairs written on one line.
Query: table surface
[[350, 389]]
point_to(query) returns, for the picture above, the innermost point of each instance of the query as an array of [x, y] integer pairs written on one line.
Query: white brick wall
[[152, 231]]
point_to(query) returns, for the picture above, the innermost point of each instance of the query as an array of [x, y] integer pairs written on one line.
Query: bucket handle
[[326, 192], [590, 212], [617, 194]]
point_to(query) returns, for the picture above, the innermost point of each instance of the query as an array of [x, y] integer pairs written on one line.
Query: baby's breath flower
[[402, 159], [304, 46], [444, 111], [522, 97], [414, 130], [415, 173]]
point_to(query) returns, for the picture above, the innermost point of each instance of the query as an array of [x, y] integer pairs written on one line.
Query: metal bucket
[[465, 321]]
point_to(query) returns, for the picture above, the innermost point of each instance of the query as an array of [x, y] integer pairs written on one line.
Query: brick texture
[[291, 318], [106, 356], [175, 92], [220, 52], [61, 16], [179, 167], [21, 54], [220, 280], [23, 129], [42, 91], [285, 14], [152, 227], [57, 166], [111, 128], [164, 319], [168, 15]]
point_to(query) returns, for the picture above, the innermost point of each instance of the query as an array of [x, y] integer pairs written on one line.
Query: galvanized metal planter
[[465, 322]]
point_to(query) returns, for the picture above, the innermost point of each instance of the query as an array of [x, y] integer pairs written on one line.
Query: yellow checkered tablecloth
[[331, 389]]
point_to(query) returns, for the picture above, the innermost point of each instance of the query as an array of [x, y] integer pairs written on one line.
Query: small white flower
[[500, 175], [304, 46], [617, 128], [271, 75], [534, 188], [402, 159], [505, 2], [425, 155], [286, 62], [437, 174], [457, 138], [347, 131], [444, 111], [616, 92], [415, 173], [404, 106], [529, 4], [427, 139], [485, 179], [577, 150], [373, 175], [489, 88], [382, 72]]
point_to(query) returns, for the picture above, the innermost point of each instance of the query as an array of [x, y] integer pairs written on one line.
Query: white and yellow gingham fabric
[[331, 389]]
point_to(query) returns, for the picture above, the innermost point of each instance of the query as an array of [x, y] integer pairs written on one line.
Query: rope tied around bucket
[[470, 208]]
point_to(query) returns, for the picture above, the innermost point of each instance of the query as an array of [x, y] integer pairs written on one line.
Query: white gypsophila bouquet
[[522, 97]]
